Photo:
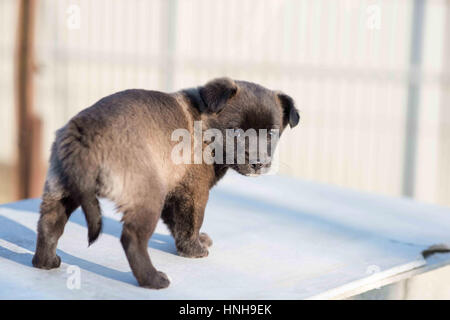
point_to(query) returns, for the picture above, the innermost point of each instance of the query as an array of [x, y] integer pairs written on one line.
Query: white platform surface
[[274, 238]]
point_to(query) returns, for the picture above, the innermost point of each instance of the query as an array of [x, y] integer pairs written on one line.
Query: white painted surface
[[274, 238], [426, 283]]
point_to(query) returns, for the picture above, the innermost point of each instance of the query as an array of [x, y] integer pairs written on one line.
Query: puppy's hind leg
[[138, 226], [55, 212]]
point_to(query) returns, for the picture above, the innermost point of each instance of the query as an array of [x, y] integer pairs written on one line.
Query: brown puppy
[[120, 149]]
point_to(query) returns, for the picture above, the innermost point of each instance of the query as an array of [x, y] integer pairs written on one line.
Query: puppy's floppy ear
[[290, 112], [217, 92]]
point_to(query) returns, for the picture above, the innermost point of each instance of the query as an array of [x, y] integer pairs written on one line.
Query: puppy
[[120, 149]]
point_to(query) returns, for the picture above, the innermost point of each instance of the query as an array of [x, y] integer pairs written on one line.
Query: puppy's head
[[248, 109]]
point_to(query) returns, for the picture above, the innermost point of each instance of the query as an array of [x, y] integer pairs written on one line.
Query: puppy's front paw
[[205, 239], [46, 263], [193, 249], [158, 280]]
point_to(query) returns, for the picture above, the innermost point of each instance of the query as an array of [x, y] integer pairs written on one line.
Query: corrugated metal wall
[[347, 64]]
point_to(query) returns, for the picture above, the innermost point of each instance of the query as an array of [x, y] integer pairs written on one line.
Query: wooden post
[[29, 166]]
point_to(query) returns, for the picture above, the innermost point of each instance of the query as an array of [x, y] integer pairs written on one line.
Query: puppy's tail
[[93, 214], [79, 167]]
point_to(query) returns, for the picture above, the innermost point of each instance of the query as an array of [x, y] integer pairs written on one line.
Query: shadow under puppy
[[120, 149]]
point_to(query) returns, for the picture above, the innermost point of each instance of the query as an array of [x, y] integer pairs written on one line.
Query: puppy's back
[[124, 136]]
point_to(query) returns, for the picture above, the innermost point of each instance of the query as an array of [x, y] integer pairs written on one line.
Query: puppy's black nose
[[256, 166]]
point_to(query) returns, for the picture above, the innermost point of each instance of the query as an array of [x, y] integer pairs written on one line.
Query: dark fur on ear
[[291, 114], [217, 92]]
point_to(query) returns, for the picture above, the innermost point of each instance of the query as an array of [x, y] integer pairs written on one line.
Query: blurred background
[[371, 79]]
